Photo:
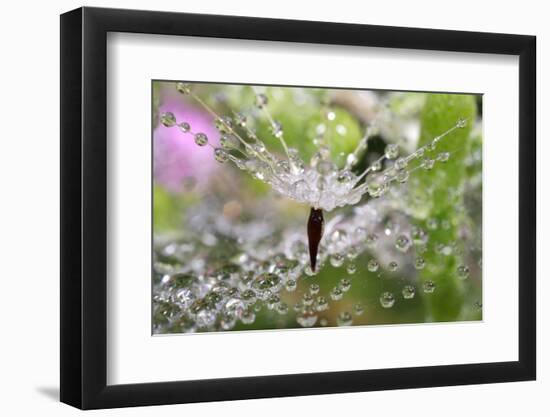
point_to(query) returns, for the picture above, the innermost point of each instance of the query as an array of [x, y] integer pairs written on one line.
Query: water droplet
[[358, 309], [266, 281], [228, 320], [373, 265], [183, 88], [273, 301], [408, 292], [306, 320], [461, 123], [321, 304], [432, 223], [392, 266], [376, 187], [277, 129], [371, 240], [403, 243], [402, 176], [345, 177], [224, 124], [309, 272], [352, 253], [344, 319], [418, 235], [400, 163], [205, 318], [240, 119], [248, 316], [337, 260], [220, 155], [351, 160], [387, 300], [282, 308], [463, 272], [290, 285], [427, 164], [184, 127], [201, 139], [314, 289], [307, 299], [345, 284], [429, 287], [376, 166], [168, 119], [351, 268], [298, 307], [249, 296], [229, 142], [336, 294], [391, 151], [443, 157], [419, 263], [261, 101]]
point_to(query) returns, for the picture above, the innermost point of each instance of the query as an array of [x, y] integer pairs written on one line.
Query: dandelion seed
[[320, 184]]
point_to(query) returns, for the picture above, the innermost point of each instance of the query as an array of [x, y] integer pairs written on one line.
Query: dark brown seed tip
[[315, 226]]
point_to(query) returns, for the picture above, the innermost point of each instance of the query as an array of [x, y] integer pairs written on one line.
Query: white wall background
[[29, 226]]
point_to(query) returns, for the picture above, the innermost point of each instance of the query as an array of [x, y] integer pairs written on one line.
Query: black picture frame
[[84, 207]]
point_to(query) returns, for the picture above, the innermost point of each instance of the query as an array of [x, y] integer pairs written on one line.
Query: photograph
[[291, 207]]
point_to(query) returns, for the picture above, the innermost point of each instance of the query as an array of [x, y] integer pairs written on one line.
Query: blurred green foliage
[[442, 189]]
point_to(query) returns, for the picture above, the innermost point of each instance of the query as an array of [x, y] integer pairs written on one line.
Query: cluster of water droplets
[[265, 267], [320, 183], [269, 273]]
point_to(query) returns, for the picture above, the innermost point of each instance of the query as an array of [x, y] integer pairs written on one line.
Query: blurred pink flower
[[177, 159]]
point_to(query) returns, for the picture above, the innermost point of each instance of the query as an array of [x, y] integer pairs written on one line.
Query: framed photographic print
[[258, 208]]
